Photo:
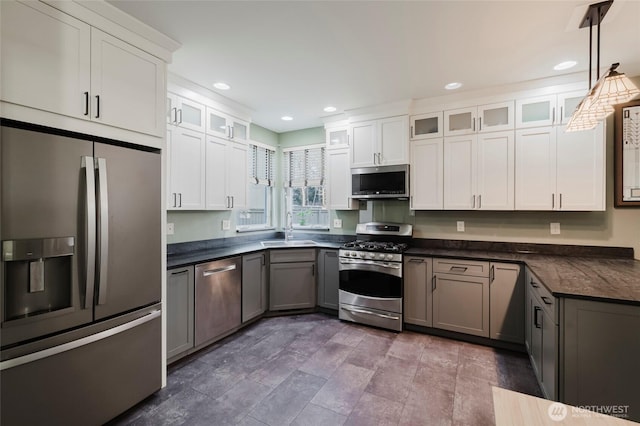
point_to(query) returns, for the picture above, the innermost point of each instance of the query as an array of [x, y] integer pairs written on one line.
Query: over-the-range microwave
[[380, 182]]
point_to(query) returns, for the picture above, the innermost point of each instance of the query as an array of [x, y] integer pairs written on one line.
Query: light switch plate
[[555, 228], [460, 225], [337, 223], [170, 229], [226, 224]]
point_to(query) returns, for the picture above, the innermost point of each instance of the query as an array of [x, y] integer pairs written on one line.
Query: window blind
[[304, 167], [261, 171]]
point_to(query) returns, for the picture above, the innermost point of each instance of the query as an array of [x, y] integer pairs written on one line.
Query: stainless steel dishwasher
[[218, 298]]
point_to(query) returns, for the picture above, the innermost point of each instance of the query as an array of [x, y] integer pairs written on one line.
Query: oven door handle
[[363, 311], [371, 262]]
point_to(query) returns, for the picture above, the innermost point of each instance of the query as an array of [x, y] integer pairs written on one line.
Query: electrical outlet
[[170, 229], [337, 223], [460, 225], [226, 225], [555, 228]]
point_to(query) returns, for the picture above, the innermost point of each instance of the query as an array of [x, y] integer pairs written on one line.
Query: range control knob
[[371, 255], [388, 257], [381, 256]]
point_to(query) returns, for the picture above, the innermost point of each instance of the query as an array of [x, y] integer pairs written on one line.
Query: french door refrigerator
[[80, 225]]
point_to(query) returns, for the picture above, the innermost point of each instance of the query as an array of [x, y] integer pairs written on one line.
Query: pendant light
[[611, 89]]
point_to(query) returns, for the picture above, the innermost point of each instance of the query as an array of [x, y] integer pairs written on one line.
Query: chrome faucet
[[288, 233]]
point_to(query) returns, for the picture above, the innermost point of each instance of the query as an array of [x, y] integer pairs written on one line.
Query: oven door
[[371, 278]]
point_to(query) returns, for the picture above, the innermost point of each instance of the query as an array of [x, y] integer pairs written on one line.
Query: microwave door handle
[[90, 229], [103, 224]]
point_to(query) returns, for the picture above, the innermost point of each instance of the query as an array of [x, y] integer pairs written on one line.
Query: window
[[258, 214], [304, 170]]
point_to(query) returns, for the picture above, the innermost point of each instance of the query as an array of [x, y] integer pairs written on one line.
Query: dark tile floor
[[315, 370]]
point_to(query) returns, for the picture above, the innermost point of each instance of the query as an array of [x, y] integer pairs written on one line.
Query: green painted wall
[[312, 136], [260, 134]]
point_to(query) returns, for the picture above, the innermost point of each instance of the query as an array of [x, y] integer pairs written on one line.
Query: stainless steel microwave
[[380, 182]]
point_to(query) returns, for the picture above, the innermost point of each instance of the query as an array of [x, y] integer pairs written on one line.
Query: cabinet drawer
[[461, 267], [288, 255], [547, 301]]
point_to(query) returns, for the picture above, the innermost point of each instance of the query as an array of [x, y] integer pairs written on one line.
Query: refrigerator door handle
[[103, 234], [90, 231]]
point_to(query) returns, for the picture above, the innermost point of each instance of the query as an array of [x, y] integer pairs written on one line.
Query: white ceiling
[[296, 57]]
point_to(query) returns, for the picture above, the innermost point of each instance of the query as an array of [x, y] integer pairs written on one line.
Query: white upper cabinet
[[337, 137], [427, 158], [185, 169], [558, 170], [226, 174], [127, 85], [479, 119], [185, 113], [426, 126], [339, 181], [225, 126], [380, 142], [460, 121], [46, 59], [56, 63], [547, 110], [479, 172]]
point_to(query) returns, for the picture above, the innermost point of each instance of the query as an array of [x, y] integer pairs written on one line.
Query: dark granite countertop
[[600, 278], [599, 273]]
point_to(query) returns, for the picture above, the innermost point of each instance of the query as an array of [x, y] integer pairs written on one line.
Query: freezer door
[[45, 200], [129, 209]]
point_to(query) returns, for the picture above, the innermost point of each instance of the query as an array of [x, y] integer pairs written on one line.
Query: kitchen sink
[[290, 243]]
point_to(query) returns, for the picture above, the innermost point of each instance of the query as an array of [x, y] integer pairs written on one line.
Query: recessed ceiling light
[[565, 65], [287, 118], [330, 109], [222, 86], [452, 86]]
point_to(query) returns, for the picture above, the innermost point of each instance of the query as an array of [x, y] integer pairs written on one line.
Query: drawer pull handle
[[218, 270], [416, 260], [458, 268], [536, 309], [533, 284], [546, 300]]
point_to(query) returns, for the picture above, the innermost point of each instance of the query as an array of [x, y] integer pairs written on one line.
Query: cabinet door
[[535, 169], [461, 303], [460, 172], [292, 286], [179, 310], [425, 126], [236, 166], [580, 169], [394, 141], [427, 174], [535, 349], [495, 171], [496, 117], [216, 175], [239, 130], [328, 279], [460, 121], [254, 285], [190, 114], [339, 181], [417, 291], [364, 144], [567, 104], [45, 58], [507, 303], [217, 124], [549, 352], [337, 137], [127, 85], [535, 112], [187, 169]]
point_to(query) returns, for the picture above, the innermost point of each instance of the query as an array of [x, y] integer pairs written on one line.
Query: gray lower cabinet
[[542, 335], [179, 311], [507, 302], [418, 277], [461, 296], [328, 278], [292, 279], [601, 348], [254, 285]]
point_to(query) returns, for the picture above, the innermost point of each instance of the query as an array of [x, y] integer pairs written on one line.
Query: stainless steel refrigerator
[[80, 225]]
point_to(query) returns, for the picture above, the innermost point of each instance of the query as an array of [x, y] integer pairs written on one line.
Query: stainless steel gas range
[[371, 280]]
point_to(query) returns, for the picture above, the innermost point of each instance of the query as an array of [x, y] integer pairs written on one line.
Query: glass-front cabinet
[[426, 126], [185, 113], [226, 126], [536, 112], [494, 117], [337, 137], [460, 121], [568, 102]]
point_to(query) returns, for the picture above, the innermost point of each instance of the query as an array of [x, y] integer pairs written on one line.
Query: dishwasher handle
[[210, 272]]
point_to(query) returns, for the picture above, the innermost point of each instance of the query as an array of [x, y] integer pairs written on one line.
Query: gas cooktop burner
[[383, 246]]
